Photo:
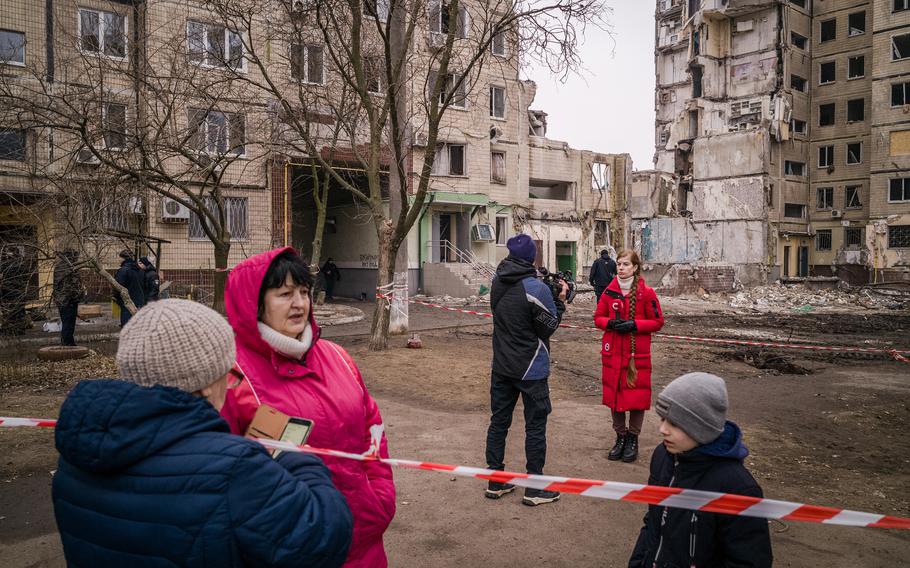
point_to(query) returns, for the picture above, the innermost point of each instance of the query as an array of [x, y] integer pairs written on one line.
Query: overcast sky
[[610, 108]]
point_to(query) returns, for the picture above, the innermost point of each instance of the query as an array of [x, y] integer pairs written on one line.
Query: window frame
[[796, 42], [850, 28], [493, 90], [210, 205], [444, 149], [905, 87], [228, 118], [203, 60], [101, 34], [905, 190], [23, 137], [849, 104], [828, 233], [847, 153], [895, 9], [862, 59], [824, 198], [803, 131], [802, 210], [894, 47], [789, 163], [802, 80], [828, 151], [833, 114], [903, 228], [504, 234], [463, 16], [493, 179], [821, 32], [850, 190], [833, 64], [305, 49], [861, 241], [21, 48]]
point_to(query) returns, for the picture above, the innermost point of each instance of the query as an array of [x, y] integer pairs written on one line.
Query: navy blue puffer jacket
[[151, 477]]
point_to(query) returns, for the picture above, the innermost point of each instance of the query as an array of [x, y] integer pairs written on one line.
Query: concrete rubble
[[780, 297]]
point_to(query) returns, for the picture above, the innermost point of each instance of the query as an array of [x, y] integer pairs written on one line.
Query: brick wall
[[682, 280]]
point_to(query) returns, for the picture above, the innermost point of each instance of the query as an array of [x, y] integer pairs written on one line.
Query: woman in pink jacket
[[288, 367]]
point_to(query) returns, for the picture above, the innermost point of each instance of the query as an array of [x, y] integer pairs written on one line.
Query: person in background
[[67, 293], [701, 450], [290, 368], [150, 475], [331, 273], [130, 276], [603, 271], [628, 312], [151, 279]]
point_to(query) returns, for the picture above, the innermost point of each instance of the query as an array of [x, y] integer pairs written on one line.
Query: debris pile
[[452, 301], [797, 297]]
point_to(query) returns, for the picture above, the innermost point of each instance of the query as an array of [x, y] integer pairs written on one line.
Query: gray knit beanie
[[176, 343], [696, 403]]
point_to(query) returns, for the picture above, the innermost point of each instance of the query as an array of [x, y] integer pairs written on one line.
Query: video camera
[[554, 281]]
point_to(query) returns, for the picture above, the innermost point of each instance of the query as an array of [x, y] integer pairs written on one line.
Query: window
[[374, 68], [854, 153], [12, 145], [854, 237], [439, 18], [601, 233], [798, 126], [824, 197], [856, 67], [856, 110], [825, 156], [899, 236], [856, 24], [827, 73], [823, 239], [218, 132], [308, 64], [792, 168], [377, 9], [459, 97], [900, 94], [102, 33], [600, 176], [697, 77], [502, 230], [852, 197], [899, 189], [800, 3], [828, 30], [498, 167], [826, 114], [498, 45], [101, 213], [12, 47], [900, 5], [794, 210], [798, 41], [450, 160], [114, 124], [900, 47], [497, 102], [798, 83], [214, 45], [235, 214]]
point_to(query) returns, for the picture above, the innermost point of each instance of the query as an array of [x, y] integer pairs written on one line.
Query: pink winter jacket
[[325, 387]]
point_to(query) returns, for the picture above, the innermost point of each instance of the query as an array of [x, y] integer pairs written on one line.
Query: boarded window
[[236, 217], [856, 67], [823, 239], [899, 236], [854, 153], [794, 210], [827, 72], [825, 197], [12, 47], [854, 237], [856, 110], [856, 24], [825, 156], [498, 167], [900, 143], [852, 199], [828, 30], [826, 114]]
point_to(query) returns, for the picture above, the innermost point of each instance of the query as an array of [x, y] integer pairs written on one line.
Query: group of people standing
[[141, 280]]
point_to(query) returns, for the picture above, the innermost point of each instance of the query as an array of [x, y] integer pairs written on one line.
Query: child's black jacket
[[699, 539]]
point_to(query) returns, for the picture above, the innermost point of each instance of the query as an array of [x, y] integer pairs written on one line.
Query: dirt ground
[[835, 436]]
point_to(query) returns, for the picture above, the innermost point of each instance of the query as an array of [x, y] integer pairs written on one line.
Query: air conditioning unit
[[173, 211], [495, 134], [136, 206], [85, 156], [436, 40], [483, 232], [836, 213], [420, 138]]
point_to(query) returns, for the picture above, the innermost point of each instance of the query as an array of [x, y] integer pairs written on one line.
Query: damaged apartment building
[[782, 144]]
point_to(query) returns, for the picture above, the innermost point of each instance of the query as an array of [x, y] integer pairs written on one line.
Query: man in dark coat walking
[[68, 292], [331, 273], [129, 275], [150, 475], [151, 279], [603, 271]]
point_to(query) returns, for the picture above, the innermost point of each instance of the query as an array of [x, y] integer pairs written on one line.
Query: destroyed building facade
[[782, 143]]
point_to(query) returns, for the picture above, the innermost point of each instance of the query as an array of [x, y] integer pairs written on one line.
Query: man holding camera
[[525, 315]]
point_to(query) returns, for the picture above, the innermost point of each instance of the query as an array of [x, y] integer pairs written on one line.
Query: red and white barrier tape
[[691, 499], [895, 354]]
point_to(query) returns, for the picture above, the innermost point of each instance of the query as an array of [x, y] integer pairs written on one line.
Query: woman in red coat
[[628, 312]]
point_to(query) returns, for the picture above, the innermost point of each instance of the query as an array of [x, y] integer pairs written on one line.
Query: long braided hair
[[632, 372]]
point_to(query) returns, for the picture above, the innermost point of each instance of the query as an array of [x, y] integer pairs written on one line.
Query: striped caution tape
[[895, 354], [691, 499]]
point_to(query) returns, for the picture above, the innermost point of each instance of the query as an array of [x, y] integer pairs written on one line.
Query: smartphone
[[296, 432]]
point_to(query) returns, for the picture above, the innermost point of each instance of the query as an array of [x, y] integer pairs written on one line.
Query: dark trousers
[[598, 291], [329, 288], [68, 321], [535, 396], [636, 419]]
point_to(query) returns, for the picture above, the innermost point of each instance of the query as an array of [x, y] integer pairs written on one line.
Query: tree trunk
[[379, 331], [220, 278], [124, 293]]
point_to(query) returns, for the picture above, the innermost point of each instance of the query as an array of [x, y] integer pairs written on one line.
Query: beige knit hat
[[176, 343]]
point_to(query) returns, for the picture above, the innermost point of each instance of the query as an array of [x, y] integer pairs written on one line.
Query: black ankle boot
[[617, 451], [630, 451]]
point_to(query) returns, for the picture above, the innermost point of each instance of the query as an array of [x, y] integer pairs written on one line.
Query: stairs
[[459, 280]]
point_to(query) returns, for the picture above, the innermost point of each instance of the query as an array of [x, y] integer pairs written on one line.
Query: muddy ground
[[836, 436]]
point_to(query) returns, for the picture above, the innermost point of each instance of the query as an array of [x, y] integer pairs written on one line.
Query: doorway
[[446, 232], [565, 256], [802, 268], [786, 261]]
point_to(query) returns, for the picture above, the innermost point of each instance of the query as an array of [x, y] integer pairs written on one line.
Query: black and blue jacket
[[525, 315]]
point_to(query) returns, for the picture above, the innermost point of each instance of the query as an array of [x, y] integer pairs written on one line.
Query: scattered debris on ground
[[799, 298], [772, 361], [453, 301]]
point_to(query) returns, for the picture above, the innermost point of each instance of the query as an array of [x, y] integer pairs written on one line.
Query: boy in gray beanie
[[702, 450]]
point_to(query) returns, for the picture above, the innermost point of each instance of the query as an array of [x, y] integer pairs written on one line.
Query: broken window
[[792, 168], [113, 122], [826, 114], [235, 214], [827, 72], [214, 45], [696, 81], [102, 33], [600, 176], [852, 197], [828, 30], [899, 236], [856, 67], [12, 145], [824, 197], [498, 45], [502, 230], [900, 5], [498, 167], [854, 153], [798, 83], [856, 110], [800, 3], [899, 189], [900, 47], [825, 156], [542, 189], [823, 239], [601, 233], [798, 126], [900, 93], [794, 210], [856, 24], [798, 41], [307, 63], [438, 13], [497, 102], [12, 47], [854, 238]]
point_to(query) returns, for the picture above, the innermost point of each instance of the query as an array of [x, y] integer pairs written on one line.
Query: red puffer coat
[[616, 347], [326, 387]]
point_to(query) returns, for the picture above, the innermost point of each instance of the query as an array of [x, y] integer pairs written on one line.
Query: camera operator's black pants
[[535, 396]]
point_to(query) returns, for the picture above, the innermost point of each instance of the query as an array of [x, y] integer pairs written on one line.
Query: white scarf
[[292, 347], [625, 284]]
